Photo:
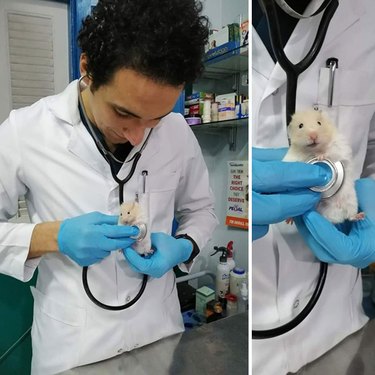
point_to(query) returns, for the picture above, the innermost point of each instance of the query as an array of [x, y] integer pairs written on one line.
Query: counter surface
[[217, 348], [353, 356]]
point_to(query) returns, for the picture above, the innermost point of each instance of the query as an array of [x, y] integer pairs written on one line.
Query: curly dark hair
[[161, 39]]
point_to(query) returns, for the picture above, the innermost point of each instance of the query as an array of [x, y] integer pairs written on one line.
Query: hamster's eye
[[128, 212], [319, 123], [300, 126]]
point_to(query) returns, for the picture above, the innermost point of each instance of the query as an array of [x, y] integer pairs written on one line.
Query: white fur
[[323, 141], [132, 213]]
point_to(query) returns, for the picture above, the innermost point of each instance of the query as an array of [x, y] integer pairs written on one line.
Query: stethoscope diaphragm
[[142, 232], [335, 183]]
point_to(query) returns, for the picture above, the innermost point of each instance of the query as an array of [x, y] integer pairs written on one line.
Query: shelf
[[231, 125], [233, 61], [222, 124]]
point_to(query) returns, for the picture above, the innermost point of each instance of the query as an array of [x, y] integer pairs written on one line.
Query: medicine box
[[202, 296], [229, 33]]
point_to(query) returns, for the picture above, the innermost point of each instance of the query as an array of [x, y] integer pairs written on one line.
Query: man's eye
[[122, 114]]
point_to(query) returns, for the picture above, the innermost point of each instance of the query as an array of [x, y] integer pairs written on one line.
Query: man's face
[[128, 105]]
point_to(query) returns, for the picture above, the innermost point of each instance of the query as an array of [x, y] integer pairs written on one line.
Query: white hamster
[[131, 213], [313, 135]]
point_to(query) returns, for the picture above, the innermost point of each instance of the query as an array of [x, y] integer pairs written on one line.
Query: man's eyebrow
[[124, 110]]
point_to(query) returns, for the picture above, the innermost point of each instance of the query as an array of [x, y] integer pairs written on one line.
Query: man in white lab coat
[[136, 58], [285, 269]]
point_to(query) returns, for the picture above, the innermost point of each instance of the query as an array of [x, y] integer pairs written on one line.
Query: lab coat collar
[[65, 105], [262, 61], [347, 13]]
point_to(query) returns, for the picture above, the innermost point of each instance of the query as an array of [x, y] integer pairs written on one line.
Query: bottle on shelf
[[243, 304], [232, 306], [222, 273]]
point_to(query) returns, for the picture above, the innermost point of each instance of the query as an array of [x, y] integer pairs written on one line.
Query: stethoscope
[[121, 182], [292, 72]]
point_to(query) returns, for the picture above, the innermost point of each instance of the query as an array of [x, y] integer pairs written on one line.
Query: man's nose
[[135, 132]]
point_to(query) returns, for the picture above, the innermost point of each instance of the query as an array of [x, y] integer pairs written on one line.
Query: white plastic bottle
[[243, 304], [222, 277]]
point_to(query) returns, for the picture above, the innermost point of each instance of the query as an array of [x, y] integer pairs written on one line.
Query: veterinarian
[[136, 58], [286, 260]]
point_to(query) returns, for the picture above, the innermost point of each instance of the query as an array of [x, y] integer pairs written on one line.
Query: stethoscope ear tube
[[274, 332]]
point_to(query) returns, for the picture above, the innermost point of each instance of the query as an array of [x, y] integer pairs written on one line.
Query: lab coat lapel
[[304, 33], [83, 146], [65, 107], [262, 61]]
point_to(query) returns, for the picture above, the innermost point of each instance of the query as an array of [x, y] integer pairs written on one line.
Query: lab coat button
[[119, 351], [296, 303]]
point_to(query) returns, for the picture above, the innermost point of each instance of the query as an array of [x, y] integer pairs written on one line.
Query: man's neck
[[87, 109]]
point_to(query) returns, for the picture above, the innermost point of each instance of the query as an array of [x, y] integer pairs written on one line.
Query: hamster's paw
[[357, 217], [321, 157], [289, 220]]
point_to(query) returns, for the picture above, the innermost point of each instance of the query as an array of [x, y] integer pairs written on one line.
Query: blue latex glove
[[168, 252], [348, 243], [89, 238], [281, 189]]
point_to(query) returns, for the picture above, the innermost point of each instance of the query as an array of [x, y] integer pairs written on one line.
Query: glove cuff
[[195, 251]]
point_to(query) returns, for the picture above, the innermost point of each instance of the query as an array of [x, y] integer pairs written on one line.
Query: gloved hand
[[89, 238], [281, 189], [348, 243], [168, 252]]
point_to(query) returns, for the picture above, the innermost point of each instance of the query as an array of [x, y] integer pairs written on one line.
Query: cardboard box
[[244, 31], [203, 295], [229, 33]]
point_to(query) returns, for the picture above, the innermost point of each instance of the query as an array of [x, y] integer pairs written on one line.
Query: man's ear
[[83, 60], [83, 64]]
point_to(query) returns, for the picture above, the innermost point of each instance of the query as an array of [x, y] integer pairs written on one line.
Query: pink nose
[[313, 136]]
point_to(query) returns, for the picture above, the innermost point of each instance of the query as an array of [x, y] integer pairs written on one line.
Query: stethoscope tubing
[[106, 154], [278, 331], [292, 72]]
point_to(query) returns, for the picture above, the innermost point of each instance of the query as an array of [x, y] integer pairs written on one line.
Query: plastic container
[[243, 303], [193, 120], [232, 307], [206, 111], [214, 111], [237, 277], [222, 277]]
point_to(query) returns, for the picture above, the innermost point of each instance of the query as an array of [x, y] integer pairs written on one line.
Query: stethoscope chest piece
[[338, 174], [142, 227]]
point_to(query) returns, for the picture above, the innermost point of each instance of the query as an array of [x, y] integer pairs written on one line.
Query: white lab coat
[[284, 270], [47, 155]]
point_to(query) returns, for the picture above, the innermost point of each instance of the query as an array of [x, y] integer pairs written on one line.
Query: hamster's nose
[[313, 136]]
